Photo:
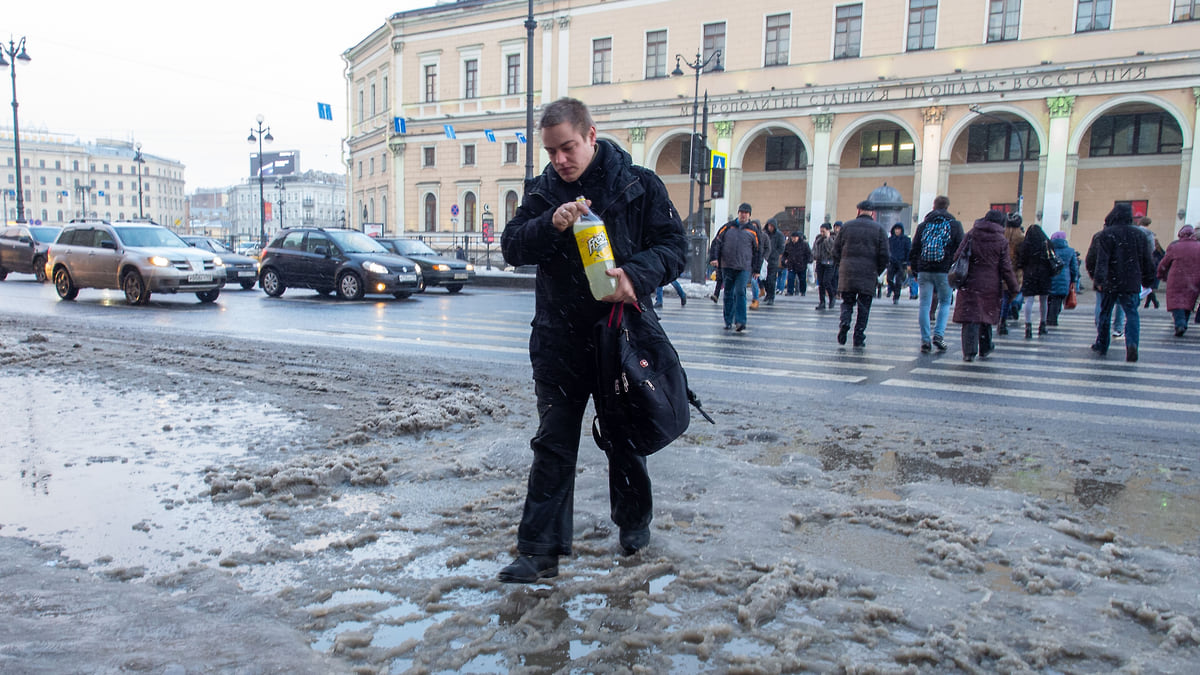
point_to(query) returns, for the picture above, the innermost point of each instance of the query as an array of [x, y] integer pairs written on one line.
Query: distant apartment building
[[64, 178], [812, 104], [307, 199]]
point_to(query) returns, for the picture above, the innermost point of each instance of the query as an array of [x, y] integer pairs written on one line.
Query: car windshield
[[356, 242], [45, 235], [413, 247], [142, 236], [212, 245]]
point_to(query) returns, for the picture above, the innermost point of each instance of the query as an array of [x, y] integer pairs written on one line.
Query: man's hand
[[715, 264], [624, 292], [566, 215]]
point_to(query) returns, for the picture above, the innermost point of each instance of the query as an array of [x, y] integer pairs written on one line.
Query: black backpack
[[642, 394]]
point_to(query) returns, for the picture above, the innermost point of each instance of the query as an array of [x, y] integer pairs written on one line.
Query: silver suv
[[138, 258]]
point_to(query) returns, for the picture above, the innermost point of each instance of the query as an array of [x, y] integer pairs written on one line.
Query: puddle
[[117, 474]]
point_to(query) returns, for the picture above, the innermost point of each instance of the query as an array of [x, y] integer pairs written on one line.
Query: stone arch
[[739, 151], [839, 144], [1085, 123], [951, 136], [654, 152]]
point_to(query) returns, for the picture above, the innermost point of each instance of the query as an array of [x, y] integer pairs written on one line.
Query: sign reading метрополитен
[[951, 85]]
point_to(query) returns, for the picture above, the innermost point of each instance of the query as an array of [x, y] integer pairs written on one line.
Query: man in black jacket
[[1120, 264], [649, 246], [861, 251], [934, 243]]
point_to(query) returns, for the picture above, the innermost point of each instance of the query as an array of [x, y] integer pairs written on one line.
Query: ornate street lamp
[[137, 157], [1020, 146], [260, 135], [697, 66], [16, 52]]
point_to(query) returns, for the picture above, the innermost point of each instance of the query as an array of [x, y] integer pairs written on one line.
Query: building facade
[[308, 199], [1059, 108], [64, 178]]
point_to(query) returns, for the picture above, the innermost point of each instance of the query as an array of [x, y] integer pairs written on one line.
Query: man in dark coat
[[736, 252], [776, 240], [649, 247], [862, 254], [796, 257], [1120, 264], [977, 306], [825, 266], [935, 240]]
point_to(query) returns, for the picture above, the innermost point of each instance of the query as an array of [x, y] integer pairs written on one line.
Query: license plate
[[199, 277], [406, 277], [460, 275], [247, 273]]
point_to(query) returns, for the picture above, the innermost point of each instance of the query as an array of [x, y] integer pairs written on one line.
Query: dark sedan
[[438, 270], [239, 269]]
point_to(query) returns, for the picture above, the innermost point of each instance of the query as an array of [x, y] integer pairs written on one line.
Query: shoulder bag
[[960, 267], [1056, 263], [642, 394]]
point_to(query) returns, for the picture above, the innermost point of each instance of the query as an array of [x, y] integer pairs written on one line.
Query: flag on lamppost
[[489, 135], [520, 137], [399, 125], [325, 111], [449, 131]]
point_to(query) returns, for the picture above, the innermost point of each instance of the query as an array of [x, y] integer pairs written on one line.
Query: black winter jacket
[[738, 247], [862, 254], [1118, 261], [918, 241], [647, 241]]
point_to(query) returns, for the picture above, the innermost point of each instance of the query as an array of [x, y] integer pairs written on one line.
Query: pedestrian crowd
[[1010, 274]]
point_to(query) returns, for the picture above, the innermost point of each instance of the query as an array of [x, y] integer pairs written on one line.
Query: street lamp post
[[697, 66], [84, 191], [260, 135], [16, 52], [279, 185], [137, 157], [1020, 146]]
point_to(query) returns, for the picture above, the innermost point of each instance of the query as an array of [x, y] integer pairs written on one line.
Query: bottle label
[[593, 244]]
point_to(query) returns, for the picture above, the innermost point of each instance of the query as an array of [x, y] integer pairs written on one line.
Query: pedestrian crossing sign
[[719, 159]]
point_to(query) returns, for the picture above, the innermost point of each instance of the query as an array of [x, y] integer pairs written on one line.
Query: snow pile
[[427, 408]]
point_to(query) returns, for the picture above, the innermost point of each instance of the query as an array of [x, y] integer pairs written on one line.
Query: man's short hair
[[941, 202], [570, 110]]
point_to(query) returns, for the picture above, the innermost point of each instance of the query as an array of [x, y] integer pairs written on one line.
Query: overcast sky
[[187, 80]]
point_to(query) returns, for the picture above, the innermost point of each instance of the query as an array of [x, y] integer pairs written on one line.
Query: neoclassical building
[[1073, 104]]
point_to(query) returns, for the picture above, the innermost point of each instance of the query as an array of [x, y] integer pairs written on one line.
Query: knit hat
[[745, 206], [1059, 235], [1187, 232], [995, 216], [1014, 220]]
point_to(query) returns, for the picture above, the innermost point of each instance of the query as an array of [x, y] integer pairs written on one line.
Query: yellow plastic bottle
[[596, 252]]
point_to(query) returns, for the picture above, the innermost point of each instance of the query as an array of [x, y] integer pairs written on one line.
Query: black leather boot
[[1042, 329], [1028, 331]]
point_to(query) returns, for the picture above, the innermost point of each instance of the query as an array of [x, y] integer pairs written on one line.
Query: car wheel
[[270, 282], [247, 285], [63, 284], [208, 296], [349, 286], [135, 288], [453, 288], [401, 295], [39, 269]]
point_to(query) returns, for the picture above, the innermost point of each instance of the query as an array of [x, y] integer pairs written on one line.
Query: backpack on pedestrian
[[934, 238]]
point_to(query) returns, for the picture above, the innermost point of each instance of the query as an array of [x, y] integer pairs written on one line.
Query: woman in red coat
[[977, 305], [1181, 269]]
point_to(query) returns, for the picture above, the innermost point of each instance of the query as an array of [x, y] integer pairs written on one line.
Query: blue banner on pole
[[399, 125], [449, 131], [489, 135]]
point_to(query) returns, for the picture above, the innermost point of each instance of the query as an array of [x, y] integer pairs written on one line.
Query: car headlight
[[159, 261], [441, 267], [218, 262], [416, 268], [470, 267], [374, 267]]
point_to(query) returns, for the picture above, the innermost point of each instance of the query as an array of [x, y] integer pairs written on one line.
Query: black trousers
[[547, 523], [976, 338], [863, 302], [772, 281], [897, 275], [826, 282]]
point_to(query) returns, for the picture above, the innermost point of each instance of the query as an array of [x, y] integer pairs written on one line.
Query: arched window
[[510, 205], [371, 201], [469, 212], [430, 213]]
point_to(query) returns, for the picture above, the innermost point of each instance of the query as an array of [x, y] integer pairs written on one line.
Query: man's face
[[570, 152], [743, 217]]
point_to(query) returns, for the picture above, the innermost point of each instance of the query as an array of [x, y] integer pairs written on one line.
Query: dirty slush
[[182, 504]]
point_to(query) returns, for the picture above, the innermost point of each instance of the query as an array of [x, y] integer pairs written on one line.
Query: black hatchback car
[[436, 269], [328, 259], [23, 249]]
